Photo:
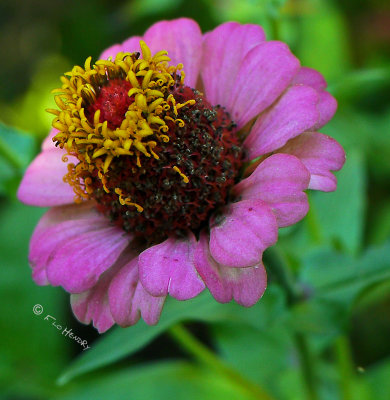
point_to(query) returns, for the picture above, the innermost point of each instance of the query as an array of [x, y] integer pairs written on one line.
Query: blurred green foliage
[[338, 258]]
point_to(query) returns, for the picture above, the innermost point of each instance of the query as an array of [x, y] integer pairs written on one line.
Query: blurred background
[[332, 343]]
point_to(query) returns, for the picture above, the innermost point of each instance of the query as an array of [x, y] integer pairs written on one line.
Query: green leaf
[[123, 342], [162, 381], [19, 144], [340, 277], [365, 132], [321, 320], [339, 216], [30, 347], [262, 356], [358, 84], [334, 282], [378, 380], [17, 149], [319, 317]]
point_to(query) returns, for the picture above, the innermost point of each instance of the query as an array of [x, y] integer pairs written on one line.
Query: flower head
[[166, 182]]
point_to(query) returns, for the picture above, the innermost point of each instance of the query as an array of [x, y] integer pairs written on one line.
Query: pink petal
[[56, 215], [327, 103], [320, 154], [129, 300], [130, 45], [294, 113], [168, 268], [39, 274], [279, 181], [223, 50], [43, 246], [110, 52], [57, 226], [79, 261], [327, 107], [92, 305], [239, 237], [42, 184], [265, 72], [245, 285], [182, 39], [310, 77]]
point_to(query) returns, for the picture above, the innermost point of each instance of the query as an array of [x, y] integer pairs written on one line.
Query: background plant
[[320, 331]]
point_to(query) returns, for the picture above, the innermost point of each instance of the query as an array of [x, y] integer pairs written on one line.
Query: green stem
[[345, 366], [197, 349], [294, 295], [10, 156], [306, 362]]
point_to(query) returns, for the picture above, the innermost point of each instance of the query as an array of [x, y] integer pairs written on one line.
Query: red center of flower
[[205, 150], [112, 101]]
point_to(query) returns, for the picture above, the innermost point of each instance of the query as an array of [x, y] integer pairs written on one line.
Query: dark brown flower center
[[156, 157], [205, 150]]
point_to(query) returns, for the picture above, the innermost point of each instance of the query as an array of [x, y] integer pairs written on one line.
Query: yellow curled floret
[[144, 124]]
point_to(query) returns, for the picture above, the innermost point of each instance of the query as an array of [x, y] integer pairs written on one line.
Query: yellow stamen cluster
[[144, 125]]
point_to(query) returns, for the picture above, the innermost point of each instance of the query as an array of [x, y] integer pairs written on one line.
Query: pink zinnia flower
[[168, 200]]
